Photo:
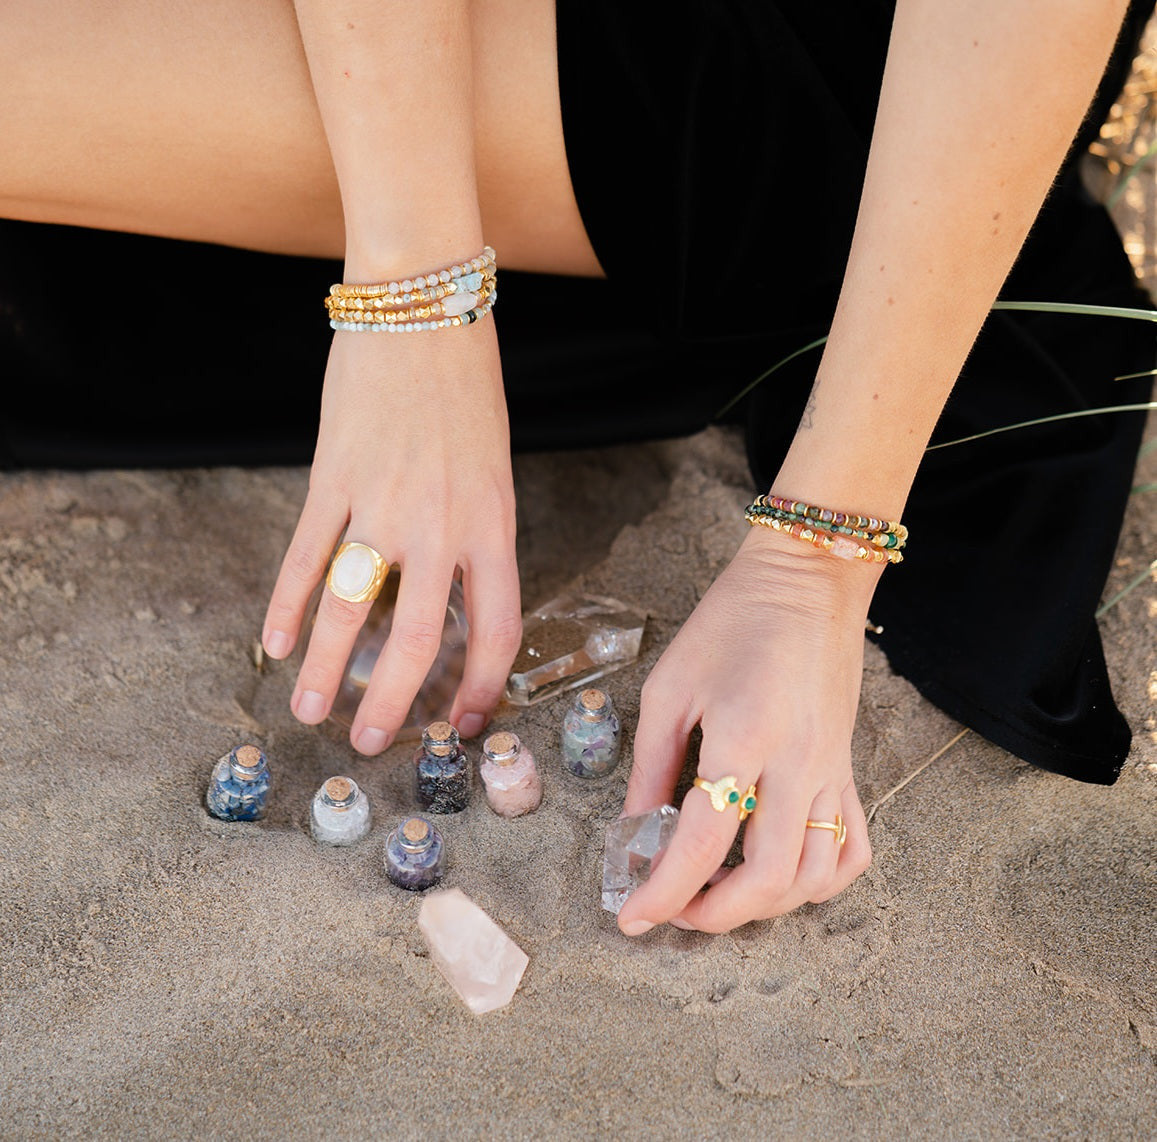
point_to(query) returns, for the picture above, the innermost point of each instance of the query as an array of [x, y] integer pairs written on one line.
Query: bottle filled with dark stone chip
[[442, 770]]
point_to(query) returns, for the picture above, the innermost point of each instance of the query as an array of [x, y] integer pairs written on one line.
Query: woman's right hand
[[413, 459]]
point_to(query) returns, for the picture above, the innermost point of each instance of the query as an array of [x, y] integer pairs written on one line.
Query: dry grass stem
[[914, 774]]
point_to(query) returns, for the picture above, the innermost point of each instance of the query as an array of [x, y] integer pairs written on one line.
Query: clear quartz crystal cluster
[[479, 960], [633, 846], [571, 641]]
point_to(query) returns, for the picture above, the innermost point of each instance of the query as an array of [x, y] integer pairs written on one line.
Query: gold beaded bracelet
[[848, 541], [419, 311], [456, 295]]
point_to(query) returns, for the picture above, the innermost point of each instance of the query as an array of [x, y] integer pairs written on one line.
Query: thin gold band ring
[[838, 828]]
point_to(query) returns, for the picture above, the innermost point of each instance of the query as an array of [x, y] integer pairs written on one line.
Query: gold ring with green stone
[[724, 793]]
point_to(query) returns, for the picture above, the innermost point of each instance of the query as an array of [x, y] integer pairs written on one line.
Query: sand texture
[[166, 975]]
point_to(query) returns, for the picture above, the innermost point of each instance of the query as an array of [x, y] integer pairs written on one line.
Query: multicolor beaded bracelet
[[456, 295], [826, 515], [811, 529], [895, 539]]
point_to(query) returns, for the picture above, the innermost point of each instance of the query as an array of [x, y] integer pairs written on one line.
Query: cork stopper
[[248, 756], [592, 701], [245, 763], [501, 747], [339, 791], [415, 831], [440, 739]]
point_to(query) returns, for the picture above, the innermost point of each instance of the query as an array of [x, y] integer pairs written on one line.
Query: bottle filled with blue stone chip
[[415, 855], [339, 813], [442, 770], [239, 787], [591, 735]]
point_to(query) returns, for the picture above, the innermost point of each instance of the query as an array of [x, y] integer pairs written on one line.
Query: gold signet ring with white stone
[[837, 827], [356, 573], [724, 793]]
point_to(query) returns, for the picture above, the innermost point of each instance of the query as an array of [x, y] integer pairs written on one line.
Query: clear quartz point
[[633, 845], [571, 641]]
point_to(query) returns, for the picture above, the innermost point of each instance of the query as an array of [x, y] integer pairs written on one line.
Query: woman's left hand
[[769, 666]]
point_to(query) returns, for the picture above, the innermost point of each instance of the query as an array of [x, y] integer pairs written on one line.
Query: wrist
[[774, 547], [408, 251]]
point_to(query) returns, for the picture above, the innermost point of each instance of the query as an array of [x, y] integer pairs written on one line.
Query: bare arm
[[979, 104], [413, 448]]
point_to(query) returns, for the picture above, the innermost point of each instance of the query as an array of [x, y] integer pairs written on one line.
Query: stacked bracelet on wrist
[[457, 295], [844, 534]]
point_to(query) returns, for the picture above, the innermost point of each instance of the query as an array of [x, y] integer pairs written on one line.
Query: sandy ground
[[166, 975]]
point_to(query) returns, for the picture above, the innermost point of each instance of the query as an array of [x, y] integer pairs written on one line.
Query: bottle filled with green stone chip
[[591, 735]]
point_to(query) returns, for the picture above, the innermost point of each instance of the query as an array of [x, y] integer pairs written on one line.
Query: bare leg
[[198, 121]]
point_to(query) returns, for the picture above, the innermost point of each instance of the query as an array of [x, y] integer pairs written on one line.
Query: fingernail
[[470, 725], [278, 644], [371, 740], [310, 707], [681, 924], [637, 927]]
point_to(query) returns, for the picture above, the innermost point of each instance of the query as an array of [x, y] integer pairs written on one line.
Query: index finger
[[702, 839]]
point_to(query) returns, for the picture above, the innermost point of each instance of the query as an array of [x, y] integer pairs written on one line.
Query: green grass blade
[[1128, 589], [763, 376], [1131, 174], [1076, 309], [1044, 420], [1014, 306]]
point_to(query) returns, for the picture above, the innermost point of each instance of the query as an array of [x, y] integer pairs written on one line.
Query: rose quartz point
[[479, 960]]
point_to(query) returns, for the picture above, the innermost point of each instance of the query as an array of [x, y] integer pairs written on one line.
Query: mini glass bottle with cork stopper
[[239, 787], [513, 786], [414, 855], [442, 770], [339, 813], [590, 735]]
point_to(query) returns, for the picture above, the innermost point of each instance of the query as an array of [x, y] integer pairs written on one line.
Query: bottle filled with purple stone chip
[[239, 787], [591, 735], [442, 770], [415, 855]]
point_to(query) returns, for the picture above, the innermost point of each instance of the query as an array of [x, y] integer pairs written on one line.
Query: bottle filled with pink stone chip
[[479, 960], [513, 785]]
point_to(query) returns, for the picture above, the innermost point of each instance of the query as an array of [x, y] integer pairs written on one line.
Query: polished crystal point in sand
[[571, 641], [480, 961], [632, 846]]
